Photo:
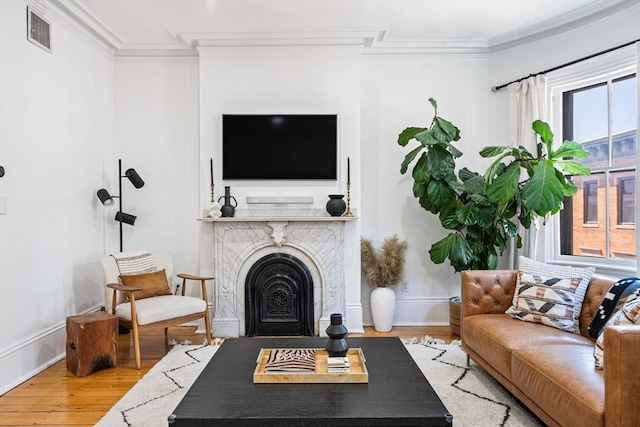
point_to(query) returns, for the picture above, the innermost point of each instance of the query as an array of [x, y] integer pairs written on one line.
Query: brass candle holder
[[348, 212], [213, 193]]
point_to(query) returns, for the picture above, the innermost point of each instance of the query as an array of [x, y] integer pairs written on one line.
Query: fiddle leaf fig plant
[[483, 210]]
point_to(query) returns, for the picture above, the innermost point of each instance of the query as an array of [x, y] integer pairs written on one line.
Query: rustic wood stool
[[91, 342]]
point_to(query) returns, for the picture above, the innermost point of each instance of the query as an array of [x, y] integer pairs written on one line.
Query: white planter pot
[[383, 307]]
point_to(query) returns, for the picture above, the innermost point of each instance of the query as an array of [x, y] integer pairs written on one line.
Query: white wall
[[55, 134], [285, 80], [156, 133], [395, 93]]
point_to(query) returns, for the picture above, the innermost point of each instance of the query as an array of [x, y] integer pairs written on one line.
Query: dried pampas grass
[[384, 267]]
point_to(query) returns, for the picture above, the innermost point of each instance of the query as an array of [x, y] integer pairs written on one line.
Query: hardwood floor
[[56, 397]]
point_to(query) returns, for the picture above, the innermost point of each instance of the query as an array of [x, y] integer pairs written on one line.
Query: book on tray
[[291, 360]]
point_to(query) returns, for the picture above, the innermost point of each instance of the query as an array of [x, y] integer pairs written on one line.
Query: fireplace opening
[[279, 297]]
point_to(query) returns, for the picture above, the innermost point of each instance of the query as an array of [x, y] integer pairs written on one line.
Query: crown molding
[[364, 38], [368, 41], [89, 23], [589, 16]]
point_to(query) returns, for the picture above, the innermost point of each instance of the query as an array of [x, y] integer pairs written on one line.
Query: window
[[591, 202], [599, 221], [627, 200]]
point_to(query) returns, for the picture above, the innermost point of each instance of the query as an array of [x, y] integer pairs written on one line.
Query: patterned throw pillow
[[628, 315], [623, 291], [534, 267], [546, 300]]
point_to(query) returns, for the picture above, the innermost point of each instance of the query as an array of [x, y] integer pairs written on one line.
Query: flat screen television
[[279, 146]]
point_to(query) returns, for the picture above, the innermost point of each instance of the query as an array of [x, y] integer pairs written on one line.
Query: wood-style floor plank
[[55, 397]]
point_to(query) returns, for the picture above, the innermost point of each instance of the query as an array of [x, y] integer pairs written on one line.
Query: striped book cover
[[291, 360]]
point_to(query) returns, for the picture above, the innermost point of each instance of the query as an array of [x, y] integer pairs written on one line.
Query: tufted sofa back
[[491, 291]]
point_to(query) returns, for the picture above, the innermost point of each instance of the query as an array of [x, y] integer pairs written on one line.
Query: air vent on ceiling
[[38, 30]]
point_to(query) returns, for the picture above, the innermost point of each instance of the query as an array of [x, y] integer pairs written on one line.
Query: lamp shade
[[126, 218], [134, 178], [105, 197]]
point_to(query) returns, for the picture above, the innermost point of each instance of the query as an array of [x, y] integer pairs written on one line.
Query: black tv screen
[[279, 146]]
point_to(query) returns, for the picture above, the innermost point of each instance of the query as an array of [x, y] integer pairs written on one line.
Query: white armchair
[[142, 301]]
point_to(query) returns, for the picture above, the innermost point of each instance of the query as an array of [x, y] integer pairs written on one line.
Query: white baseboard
[[27, 357], [414, 312]]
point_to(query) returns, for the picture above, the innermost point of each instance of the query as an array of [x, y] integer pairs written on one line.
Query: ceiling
[[469, 25]]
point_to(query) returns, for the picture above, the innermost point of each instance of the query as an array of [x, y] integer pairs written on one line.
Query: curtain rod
[[502, 86]]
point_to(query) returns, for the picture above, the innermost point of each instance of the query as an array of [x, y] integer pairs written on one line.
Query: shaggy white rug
[[471, 395]]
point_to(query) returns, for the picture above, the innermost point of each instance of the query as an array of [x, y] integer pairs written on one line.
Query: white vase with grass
[[383, 268]]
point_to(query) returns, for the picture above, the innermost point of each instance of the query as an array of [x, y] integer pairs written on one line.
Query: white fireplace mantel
[[238, 242]]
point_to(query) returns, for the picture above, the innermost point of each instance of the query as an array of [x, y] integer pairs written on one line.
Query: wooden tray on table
[[357, 372]]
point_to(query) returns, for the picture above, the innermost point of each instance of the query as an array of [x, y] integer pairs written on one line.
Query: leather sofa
[[551, 371]]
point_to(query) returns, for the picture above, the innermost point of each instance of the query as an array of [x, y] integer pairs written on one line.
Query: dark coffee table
[[397, 392]]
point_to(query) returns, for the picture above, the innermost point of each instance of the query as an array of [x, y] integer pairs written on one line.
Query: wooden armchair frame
[[133, 324]]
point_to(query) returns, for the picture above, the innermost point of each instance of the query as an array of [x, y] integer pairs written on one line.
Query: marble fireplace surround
[[238, 242]]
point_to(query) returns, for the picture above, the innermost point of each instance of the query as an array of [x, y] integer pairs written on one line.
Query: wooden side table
[[91, 342]]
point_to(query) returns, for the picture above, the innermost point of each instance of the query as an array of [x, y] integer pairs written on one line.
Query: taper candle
[[211, 165], [348, 171]]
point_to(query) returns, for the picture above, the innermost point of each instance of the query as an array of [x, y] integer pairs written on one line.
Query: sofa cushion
[[620, 292], [494, 336], [629, 314], [562, 380], [546, 300], [151, 310], [534, 267]]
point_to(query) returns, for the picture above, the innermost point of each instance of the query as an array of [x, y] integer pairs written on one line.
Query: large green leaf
[[457, 186], [504, 187], [444, 130], [572, 168], [543, 193], [440, 163], [427, 138], [480, 199], [450, 221], [466, 174], [439, 193], [492, 151], [510, 227], [454, 151], [409, 158], [474, 185], [492, 260], [468, 214], [454, 247], [486, 217], [408, 134], [570, 149], [420, 172], [543, 129], [420, 188]]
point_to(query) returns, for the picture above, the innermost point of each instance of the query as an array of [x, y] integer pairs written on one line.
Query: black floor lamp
[[107, 199]]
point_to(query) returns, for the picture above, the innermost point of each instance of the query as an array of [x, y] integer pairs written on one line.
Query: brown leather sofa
[[551, 371]]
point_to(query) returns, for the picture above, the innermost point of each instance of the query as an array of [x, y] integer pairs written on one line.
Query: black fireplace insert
[[279, 297]]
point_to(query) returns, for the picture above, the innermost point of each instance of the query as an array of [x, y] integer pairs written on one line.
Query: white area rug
[[471, 395]]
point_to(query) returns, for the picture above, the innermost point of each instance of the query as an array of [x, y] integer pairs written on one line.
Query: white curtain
[[527, 103]]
